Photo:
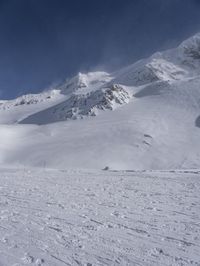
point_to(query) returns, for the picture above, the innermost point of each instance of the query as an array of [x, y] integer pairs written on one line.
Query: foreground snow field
[[58, 217]]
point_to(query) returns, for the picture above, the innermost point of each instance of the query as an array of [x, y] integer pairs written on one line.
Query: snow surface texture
[[145, 116], [55, 217]]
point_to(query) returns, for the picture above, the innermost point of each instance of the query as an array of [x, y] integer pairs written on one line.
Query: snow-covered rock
[[158, 97], [80, 105]]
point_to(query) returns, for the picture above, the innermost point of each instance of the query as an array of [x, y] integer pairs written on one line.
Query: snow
[[116, 138], [134, 123], [98, 119], [84, 83], [80, 105], [80, 217], [13, 111]]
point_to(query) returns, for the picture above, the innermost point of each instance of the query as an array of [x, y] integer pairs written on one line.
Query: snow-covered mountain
[[146, 115]]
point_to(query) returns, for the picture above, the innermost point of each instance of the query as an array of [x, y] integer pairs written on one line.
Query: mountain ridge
[[103, 119]]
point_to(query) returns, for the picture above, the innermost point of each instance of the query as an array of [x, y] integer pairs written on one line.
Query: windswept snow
[[15, 110], [80, 105], [98, 119], [51, 217], [144, 116]]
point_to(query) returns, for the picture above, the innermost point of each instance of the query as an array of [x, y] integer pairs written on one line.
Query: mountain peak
[[84, 80], [191, 40], [144, 116], [191, 46]]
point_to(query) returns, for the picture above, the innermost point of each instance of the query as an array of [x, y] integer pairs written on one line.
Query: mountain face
[[145, 116], [80, 105]]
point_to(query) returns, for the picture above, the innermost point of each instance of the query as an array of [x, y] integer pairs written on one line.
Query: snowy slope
[[18, 109], [14, 110], [145, 116]]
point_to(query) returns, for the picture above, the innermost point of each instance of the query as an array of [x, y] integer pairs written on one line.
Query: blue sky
[[45, 41]]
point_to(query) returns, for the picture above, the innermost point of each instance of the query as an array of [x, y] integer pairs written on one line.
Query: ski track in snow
[[58, 217]]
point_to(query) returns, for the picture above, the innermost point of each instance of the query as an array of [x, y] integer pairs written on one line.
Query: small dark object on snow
[[106, 168]]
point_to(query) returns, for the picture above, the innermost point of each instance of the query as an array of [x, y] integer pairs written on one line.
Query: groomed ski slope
[[63, 217]]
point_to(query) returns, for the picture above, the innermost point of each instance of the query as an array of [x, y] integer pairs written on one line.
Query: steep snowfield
[[14, 110], [55, 218], [145, 116]]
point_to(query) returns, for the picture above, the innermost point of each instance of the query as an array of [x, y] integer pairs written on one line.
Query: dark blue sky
[[44, 41]]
